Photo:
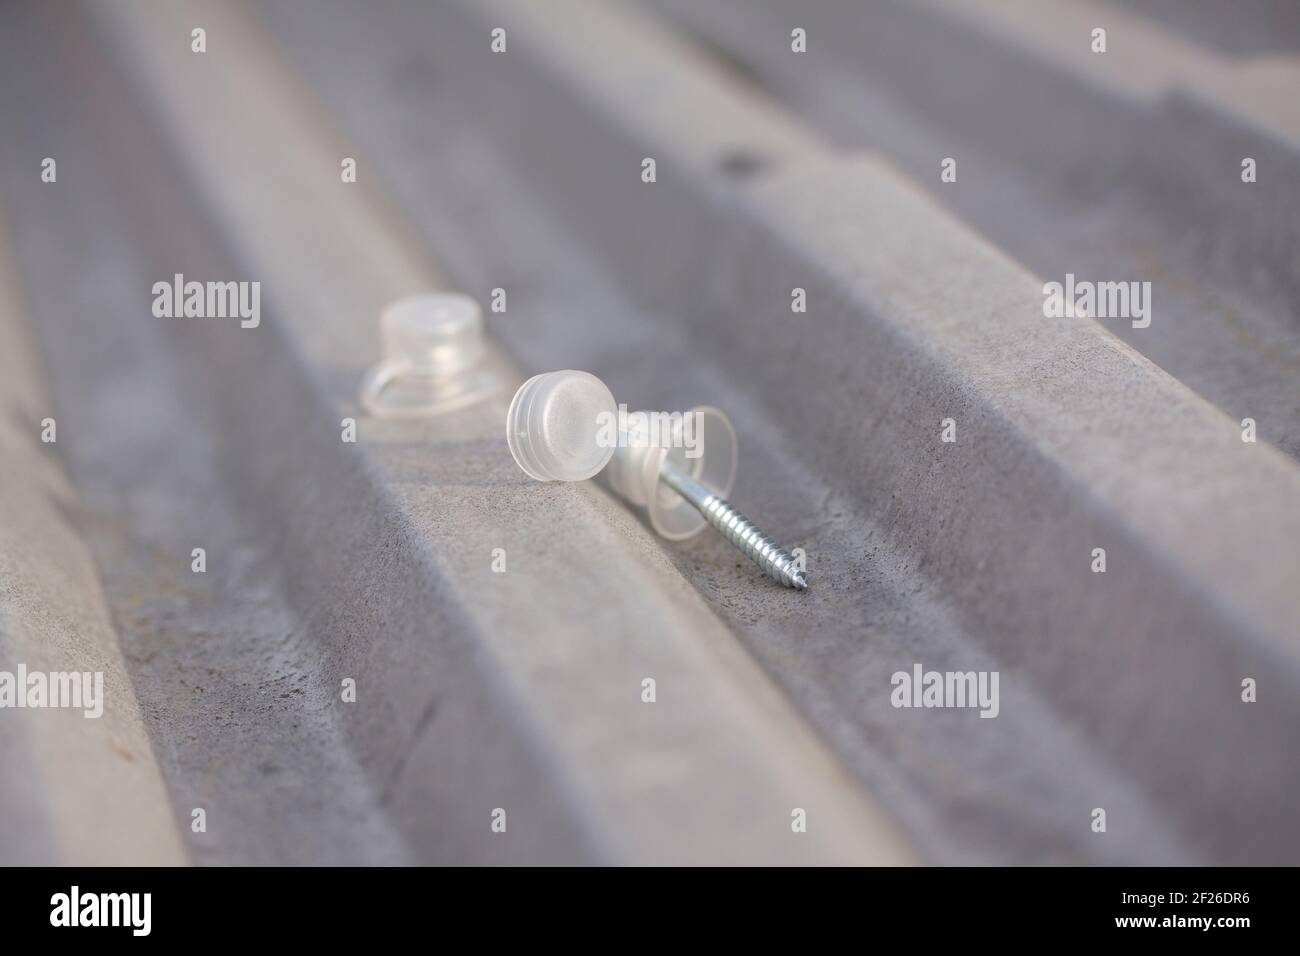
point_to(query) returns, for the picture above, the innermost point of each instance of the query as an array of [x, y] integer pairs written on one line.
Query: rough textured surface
[[1117, 166], [74, 789], [372, 561], [522, 690]]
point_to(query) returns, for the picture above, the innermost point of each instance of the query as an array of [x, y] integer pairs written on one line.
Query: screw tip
[[798, 581]]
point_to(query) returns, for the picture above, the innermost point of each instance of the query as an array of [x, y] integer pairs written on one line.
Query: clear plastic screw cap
[[702, 443], [433, 346], [555, 422]]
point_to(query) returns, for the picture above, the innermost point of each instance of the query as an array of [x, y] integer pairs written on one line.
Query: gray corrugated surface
[[521, 170], [73, 789]]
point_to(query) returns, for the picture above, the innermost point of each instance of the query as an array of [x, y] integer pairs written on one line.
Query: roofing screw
[[554, 430]]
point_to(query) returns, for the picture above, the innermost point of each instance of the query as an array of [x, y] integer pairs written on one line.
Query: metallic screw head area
[[565, 426]]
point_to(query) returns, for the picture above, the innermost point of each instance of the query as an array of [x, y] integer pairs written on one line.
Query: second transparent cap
[[433, 350]]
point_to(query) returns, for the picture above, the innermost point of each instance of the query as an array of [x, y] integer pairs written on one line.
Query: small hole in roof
[[741, 163]]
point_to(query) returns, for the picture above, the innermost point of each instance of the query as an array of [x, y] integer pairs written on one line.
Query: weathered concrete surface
[[916, 319], [1259, 27], [522, 690], [74, 789], [1125, 165], [372, 561]]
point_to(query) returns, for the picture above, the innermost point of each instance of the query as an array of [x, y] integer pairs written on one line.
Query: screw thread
[[773, 560], [750, 539]]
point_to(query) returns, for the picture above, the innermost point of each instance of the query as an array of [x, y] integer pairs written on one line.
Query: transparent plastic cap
[[701, 443], [559, 425], [433, 347]]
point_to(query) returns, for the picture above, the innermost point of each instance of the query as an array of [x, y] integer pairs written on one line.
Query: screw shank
[[735, 527]]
